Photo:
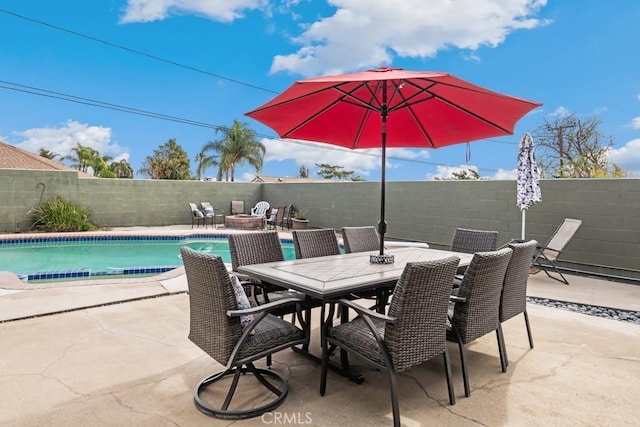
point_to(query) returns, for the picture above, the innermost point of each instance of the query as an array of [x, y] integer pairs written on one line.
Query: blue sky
[[207, 62]]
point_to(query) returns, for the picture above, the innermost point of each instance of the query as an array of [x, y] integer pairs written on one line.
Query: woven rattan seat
[[215, 326], [413, 331], [474, 312]]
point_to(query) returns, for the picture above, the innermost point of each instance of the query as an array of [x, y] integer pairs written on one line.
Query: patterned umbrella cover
[[528, 181]]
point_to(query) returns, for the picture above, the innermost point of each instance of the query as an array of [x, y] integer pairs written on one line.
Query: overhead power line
[[137, 52]]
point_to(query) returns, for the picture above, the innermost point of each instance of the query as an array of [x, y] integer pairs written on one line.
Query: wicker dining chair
[[513, 299], [315, 243], [471, 241], [474, 310], [216, 327], [258, 248], [413, 331], [360, 239]]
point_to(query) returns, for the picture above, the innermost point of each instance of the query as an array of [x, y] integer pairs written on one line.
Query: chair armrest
[[541, 248], [456, 299], [363, 311], [265, 307]]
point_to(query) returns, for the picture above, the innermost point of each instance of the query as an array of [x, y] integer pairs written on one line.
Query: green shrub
[[59, 215]]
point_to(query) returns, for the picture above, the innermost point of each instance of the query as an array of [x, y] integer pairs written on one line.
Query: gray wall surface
[[608, 241]]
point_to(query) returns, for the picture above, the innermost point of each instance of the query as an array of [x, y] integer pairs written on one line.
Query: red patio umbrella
[[391, 107]]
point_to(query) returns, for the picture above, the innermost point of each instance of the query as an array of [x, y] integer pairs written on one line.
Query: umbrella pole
[[524, 220], [382, 224]]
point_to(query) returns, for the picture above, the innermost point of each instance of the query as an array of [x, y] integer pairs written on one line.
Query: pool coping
[[12, 282]]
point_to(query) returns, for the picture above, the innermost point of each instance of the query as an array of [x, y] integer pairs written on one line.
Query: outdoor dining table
[[335, 276]]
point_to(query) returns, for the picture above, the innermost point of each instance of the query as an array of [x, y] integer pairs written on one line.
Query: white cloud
[[63, 139], [352, 38], [506, 174], [362, 162], [628, 156], [635, 123], [157, 10], [446, 172]]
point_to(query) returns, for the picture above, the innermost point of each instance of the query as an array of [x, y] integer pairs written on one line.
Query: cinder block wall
[[608, 241]]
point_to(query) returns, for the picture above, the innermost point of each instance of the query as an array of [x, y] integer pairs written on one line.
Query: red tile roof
[[12, 157]]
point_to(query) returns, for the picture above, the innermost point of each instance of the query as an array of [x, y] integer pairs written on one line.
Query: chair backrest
[[315, 243], [195, 211], [260, 208], [210, 296], [254, 248], [481, 286], [420, 300], [273, 214], [513, 299], [563, 234], [472, 241], [237, 207], [360, 239], [280, 214]]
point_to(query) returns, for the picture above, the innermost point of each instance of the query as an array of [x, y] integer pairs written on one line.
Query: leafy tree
[[49, 154], [204, 162], [82, 157], [121, 169], [469, 174], [573, 147], [304, 172], [328, 171], [169, 161], [237, 145]]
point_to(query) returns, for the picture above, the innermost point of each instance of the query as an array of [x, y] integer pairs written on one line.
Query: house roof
[[12, 157]]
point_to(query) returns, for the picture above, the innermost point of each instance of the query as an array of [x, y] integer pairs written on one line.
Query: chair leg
[[463, 362], [278, 387], [395, 408], [325, 352], [526, 321], [502, 349], [447, 371]]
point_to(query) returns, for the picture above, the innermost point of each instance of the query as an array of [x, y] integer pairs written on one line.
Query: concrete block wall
[[608, 241]]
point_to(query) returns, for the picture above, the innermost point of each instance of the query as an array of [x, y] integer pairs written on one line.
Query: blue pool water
[[59, 258]]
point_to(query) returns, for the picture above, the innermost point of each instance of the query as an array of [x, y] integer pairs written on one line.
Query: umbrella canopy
[[528, 180], [414, 108]]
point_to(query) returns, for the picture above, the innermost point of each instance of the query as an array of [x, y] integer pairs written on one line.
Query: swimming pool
[[51, 258]]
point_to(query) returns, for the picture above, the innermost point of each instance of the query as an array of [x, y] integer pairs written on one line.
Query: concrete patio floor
[[116, 353]]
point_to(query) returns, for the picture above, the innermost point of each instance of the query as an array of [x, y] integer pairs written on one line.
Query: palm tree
[[83, 158], [49, 154], [121, 169], [238, 144], [204, 162]]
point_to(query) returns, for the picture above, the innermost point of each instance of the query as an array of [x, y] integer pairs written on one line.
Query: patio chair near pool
[[227, 328], [547, 254], [197, 216], [237, 207], [367, 239], [216, 214], [413, 331]]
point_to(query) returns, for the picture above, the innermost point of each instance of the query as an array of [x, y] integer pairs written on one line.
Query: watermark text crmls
[[287, 418]]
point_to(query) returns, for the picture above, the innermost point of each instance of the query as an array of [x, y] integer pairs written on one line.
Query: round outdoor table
[[244, 222]]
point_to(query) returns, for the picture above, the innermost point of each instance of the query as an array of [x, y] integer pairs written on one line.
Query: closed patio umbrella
[[390, 107], [528, 180]]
